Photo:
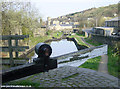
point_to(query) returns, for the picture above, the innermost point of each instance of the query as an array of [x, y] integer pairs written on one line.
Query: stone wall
[[79, 47], [110, 40], [106, 39]]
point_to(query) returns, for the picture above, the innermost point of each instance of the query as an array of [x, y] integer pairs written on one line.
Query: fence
[[12, 49]]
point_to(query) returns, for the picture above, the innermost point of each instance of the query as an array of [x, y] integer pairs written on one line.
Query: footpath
[[104, 60]]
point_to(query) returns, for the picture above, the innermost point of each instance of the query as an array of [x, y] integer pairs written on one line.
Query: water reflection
[[60, 47]]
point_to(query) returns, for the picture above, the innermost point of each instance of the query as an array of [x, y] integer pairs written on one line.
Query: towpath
[[104, 59]]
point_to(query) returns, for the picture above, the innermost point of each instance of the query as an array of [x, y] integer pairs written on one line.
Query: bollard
[[41, 64], [44, 51]]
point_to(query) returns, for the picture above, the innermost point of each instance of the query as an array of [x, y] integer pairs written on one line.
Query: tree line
[[19, 16]]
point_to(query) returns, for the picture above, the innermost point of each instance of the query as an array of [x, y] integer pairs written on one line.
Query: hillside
[[89, 17], [107, 11]]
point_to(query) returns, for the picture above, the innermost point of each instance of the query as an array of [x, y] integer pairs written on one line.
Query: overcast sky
[[55, 8]]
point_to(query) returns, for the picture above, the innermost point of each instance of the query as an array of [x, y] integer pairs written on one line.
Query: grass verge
[[92, 42], [113, 60], [24, 83], [57, 34], [35, 40], [80, 42], [92, 63], [113, 63]]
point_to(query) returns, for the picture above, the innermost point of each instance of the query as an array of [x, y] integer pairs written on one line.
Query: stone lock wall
[[78, 58], [110, 40], [106, 39]]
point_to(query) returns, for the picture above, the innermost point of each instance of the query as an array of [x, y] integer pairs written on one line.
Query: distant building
[[106, 31], [67, 23], [75, 26], [48, 21], [39, 32], [62, 24], [66, 26], [54, 24], [111, 28], [60, 27], [115, 22]]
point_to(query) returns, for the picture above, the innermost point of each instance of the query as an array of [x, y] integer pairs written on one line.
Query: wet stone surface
[[68, 76]]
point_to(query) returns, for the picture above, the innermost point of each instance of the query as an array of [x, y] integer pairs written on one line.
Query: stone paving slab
[[68, 76]]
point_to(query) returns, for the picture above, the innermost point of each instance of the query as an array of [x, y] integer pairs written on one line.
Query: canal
[[58, 48]]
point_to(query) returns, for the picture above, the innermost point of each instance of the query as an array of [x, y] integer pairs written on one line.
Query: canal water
[[59, 48]]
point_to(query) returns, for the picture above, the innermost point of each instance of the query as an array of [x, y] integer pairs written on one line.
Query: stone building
[[48, 21], [115, 22], [39, 31], [60, 27], [55, 24], [75, 26], [105, 31], [111, 28]]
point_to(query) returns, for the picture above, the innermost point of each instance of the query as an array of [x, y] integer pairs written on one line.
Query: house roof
[[105, 28], [114, 19]]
